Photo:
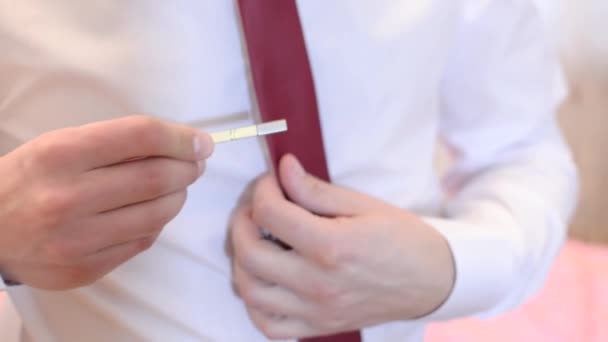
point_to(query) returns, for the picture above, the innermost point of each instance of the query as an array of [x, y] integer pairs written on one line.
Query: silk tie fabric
[[284, 89]]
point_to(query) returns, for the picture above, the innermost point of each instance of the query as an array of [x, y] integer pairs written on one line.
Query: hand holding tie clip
[[267, 128], [233, 134]]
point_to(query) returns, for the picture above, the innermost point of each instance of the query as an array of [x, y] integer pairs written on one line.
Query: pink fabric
[[573, 306]]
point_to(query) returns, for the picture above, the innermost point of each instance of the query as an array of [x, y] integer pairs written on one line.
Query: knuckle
[[155, 177], [155, 221], [152, 226], [239, 252], [246, 259], [248, 294], [145, 244], [149, 131], [270, 330], [50, 150], [54, 205], [335, 254], [258, 188], [145, 123], [263, 208], [238, 282], [163, 211], [314, 187], [324, 293], [301, 227]]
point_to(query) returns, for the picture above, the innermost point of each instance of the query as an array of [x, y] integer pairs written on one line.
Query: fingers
[[279, 328], [136, 181], [140, 136], [130, 223], [266, 260], [110, 142], [281, 314], [78, 258], [271, 299], [318, 196], [295, 226]]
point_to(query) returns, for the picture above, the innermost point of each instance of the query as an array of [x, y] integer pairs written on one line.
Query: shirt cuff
[[484, 268]]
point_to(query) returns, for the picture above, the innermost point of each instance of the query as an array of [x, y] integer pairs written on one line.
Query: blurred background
[[579, 29]]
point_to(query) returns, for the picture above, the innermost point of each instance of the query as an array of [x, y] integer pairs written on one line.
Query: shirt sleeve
[[513, 185]]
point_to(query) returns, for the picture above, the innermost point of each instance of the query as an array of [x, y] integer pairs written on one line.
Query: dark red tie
[[284, 89]]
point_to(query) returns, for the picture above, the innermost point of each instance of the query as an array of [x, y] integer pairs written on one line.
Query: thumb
[[318, 196]]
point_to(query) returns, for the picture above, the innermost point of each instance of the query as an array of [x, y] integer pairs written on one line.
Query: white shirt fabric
[[393, 76]]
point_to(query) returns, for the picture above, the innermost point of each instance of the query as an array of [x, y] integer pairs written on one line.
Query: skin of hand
[[354, 261], [77, 202]]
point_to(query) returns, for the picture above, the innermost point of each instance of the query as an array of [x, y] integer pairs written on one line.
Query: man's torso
[[377, 68]]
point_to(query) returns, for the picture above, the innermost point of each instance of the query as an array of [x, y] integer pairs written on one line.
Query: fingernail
[[203, 146], [298, 170]]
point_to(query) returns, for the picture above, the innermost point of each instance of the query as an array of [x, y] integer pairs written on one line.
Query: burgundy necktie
[[284, 89]]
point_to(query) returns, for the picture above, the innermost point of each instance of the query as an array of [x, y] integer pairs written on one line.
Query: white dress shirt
[[398, 74]]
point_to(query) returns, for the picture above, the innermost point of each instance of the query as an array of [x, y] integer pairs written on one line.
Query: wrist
[[439, 275], [446, 274]]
